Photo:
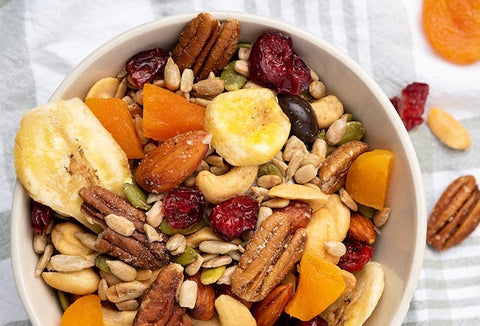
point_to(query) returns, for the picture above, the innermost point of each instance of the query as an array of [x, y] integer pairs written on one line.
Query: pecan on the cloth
[[455, 215], [159, 305], [135, 250], [270, 255]]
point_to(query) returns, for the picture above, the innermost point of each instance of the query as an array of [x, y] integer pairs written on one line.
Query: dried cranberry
[[274, 64], [317, 321], [41, 217], [410, 105], [286, 320], [234, 216], [183, 207], [146, 65], [357, 256]]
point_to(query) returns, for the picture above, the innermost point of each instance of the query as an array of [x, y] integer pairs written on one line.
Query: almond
[[269, 309], [362, 229], [204, 308], [172, 162]]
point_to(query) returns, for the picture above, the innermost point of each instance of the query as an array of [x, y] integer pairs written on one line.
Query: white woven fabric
[[41, 41]]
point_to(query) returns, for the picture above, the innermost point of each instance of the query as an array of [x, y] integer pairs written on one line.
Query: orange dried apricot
[[320, 284], [453, 28], [86, 311], [368, 178], [115, 117], [166, 114]]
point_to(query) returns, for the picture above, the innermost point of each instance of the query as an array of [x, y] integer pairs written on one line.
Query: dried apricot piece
[[86, 311], [115, 117], [368, 178], [166, 114], [320, 284], [453, 28]]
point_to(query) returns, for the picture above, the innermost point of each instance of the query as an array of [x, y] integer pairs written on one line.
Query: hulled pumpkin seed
[[187, 257], [354, 131], [136, 196], [244, 45], [168, 230], [366, 211], [269, 169], [101, 263], [211, 275], [232, 79], [62, 298]]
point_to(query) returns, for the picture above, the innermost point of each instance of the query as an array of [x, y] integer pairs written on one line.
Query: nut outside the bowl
[[69, 87]]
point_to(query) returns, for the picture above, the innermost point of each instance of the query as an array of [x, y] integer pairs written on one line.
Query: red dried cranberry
[[357, 256], [146, 65], [183, 207], [234, 216], [274, 64], [41, 217], [317, 321], [410, 105]]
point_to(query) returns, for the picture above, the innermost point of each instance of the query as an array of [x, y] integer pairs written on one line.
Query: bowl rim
[[417, 257]]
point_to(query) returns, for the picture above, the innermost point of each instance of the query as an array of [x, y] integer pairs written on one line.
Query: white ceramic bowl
[[399, 248]]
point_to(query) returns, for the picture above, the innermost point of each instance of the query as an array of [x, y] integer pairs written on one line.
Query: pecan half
[[334, 170], [270, 255], [205, 45], [223, 49], [455, 215], [135, 250], [159, 305], [193, 40]]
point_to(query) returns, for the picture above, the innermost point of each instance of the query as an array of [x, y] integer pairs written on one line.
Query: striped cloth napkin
[[41, 41]]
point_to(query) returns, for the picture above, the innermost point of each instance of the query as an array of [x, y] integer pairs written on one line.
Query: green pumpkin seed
[[330, 149], [168, 230], [307, 96], [244, 45], [269, 169], [63, 299], [322, 134], [233, 80], [187, 257], [349, 117], [101, 263], [367, 211], [211, 275], [136, 196], [355, 131]]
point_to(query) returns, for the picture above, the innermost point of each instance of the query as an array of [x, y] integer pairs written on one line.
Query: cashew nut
[[222, 187], [328, 224], [315, 198], [104, 88], [80, 282], [65, 240], [117, 318], [327, 109]]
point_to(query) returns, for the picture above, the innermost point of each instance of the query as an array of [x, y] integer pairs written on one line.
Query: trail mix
[[217, 182]]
